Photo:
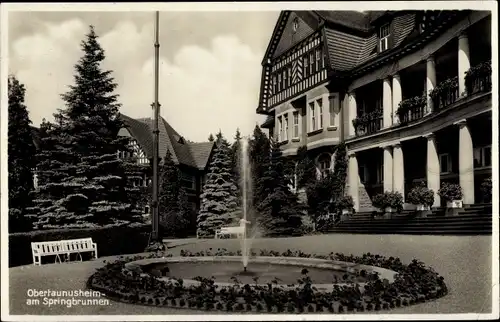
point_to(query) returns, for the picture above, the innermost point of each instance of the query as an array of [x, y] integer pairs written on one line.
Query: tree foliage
[[219, 204], [21, 156], [279, 212], [90, 185], [260, 157]]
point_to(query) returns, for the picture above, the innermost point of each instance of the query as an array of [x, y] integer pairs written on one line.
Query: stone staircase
[[471, 220]]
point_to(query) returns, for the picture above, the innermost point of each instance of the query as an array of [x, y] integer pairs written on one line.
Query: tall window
[[318, 59], [482, 156], [296, 124], [285, 127], [332, 107], [384, 38], [445, 163], [320, 113], [274, 84], [323, 58], [311, 67], [289, 76], [279, 82], [313, 116], [324, 163], [280, 129], [285, 83]]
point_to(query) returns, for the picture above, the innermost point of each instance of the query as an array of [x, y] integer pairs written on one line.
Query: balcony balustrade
[[412, 109], [368, 123], [478, 78], [445, 93]]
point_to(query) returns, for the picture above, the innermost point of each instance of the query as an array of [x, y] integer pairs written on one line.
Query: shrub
[[345, 202], [421, 195], [450, 191], [112, 240], [388, 199], [486, 188]]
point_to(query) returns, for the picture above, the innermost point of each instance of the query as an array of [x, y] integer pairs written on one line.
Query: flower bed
[[414, 283]]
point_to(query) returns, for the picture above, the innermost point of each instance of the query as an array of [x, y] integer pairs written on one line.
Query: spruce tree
[[21, 156], [260, 148], [211, 137], [219, 204], [94, 191], [280, 212], [236, 159], [172, 201]]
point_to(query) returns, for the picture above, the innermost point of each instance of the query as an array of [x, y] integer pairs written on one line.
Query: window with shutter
[[384, 34]]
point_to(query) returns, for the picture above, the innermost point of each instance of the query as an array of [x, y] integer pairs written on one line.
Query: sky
[[210, 64]]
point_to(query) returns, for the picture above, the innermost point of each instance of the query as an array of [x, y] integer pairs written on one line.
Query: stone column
[[387, 103], [399, 169], [353, 179], [353, 113], [397, 97], [388, 168], [430, 81], [463, 61], [433, 170], [466, 162]]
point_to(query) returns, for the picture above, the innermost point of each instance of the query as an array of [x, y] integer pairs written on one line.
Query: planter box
[[423, 211], [454, 204]]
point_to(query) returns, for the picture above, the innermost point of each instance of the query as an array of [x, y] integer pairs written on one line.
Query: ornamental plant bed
[[346, 206], [414, 283]]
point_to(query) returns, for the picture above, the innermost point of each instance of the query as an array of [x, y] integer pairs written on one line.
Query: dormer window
[[384, 33], [295, 25]]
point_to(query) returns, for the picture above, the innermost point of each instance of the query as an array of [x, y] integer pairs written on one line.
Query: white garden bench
[[62, 247], [239, 231]]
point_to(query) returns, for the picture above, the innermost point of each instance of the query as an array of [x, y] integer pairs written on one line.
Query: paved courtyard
[[464, 262]]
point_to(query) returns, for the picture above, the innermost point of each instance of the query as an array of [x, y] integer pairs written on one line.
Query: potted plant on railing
[[346, 206], [445, 93], [359, 125], [423, 198], [411, 105], [451, 193], [389, 203], [478, 78]]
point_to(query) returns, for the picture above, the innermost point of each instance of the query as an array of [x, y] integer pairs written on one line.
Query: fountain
[[246, 185]]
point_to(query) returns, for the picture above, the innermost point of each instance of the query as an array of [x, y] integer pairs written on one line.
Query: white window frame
[[480, 156], [311, 60], [280, 128], [448, 163], [279, 82], [318, 59], [296, 124], [289, 76], [285, 82], [312, 118], [306, 64], [331, 108], [274, 84], [384, 34], [189, 178], [285, 127], [327, 158], [319, 102]]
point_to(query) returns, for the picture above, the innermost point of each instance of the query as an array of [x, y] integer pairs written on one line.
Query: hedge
[[115, 240]]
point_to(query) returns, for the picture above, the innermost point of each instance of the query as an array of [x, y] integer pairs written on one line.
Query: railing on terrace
[[478, 78], [368, 123], [412, 109], [445, 94]]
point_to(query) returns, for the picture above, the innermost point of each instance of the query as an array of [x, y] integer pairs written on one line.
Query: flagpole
[[155, 235]]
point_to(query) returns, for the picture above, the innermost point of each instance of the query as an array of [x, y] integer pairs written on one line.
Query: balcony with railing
[[368, 123], [478, 78], [412, 109], [369, 118]]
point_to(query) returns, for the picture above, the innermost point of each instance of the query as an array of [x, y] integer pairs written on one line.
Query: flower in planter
[[421, 195], [392, 199], [450, 191]]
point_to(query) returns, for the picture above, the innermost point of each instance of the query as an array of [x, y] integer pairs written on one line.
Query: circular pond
[[262, 273]]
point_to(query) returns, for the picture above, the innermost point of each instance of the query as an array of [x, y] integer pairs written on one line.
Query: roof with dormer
[[183, 151]]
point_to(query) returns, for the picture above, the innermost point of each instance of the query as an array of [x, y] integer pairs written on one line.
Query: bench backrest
[[232, 230], [62, 245]]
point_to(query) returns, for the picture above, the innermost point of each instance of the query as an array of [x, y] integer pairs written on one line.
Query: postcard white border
[[249, 6]]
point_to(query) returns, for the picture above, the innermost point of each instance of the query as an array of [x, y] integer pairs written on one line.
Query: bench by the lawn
[[239, 231], [62, 247]]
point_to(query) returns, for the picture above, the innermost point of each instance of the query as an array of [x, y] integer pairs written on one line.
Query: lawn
[[463, 261]]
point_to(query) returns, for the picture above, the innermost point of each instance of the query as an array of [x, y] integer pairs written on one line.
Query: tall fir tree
[[172, 201], [94, 191], [219, 204], [260, 153], [21, 156], [280, 212], [211, 137], [236, 159]]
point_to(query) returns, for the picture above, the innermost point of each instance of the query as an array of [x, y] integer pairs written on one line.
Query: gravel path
[[464, 262]]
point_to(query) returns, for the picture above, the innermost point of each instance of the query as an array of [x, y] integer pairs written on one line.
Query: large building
[[392, 85]]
